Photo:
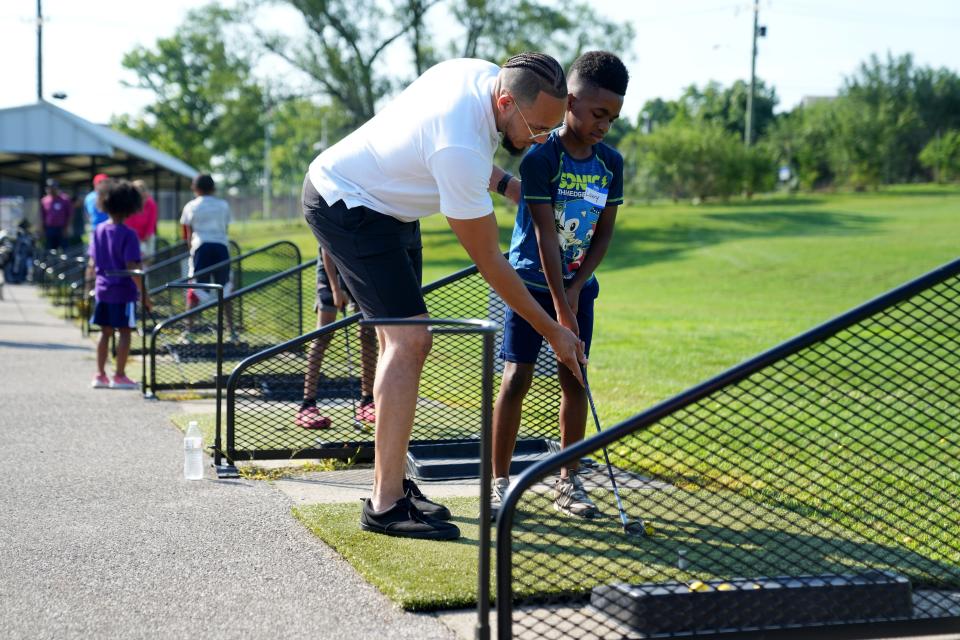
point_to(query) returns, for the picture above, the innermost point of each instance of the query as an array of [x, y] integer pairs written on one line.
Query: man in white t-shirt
[[429, 151]]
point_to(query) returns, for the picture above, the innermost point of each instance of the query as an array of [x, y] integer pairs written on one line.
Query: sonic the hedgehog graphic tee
[[576, 190]]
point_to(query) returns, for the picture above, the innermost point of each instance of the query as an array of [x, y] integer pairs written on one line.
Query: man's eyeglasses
[[534, 137]]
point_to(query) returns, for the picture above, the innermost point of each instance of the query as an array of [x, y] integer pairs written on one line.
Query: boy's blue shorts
[[521, 342], [115, 314], [209, 254]]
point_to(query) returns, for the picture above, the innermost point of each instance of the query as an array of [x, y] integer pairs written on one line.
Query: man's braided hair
[[526, 74]]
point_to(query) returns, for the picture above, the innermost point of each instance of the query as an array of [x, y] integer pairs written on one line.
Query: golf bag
[[18, 263]]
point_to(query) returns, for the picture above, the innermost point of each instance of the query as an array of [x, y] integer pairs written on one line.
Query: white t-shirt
[[208, 217], [430, 150]]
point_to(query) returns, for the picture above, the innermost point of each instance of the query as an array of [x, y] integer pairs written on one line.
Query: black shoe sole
[[443, 534]]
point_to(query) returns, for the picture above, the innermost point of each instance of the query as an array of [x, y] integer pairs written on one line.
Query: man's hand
[[569, 350], [147, 303]]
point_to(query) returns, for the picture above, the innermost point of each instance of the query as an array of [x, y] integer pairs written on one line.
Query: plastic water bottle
[[193, 452]]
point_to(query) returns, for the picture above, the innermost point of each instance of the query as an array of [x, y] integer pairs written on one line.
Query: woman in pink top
[[144, 222]]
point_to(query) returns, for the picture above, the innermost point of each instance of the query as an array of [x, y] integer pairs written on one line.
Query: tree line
[[891, 121]]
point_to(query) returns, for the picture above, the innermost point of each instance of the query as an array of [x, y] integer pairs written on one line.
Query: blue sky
[[811, 44]]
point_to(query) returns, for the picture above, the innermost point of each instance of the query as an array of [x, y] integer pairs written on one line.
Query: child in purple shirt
[[115, 247]]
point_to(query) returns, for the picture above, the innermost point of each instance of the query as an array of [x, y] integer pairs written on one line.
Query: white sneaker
[[497, 491], [570, 497]]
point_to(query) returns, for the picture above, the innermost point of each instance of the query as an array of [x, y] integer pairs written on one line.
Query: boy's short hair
[[600, 69], [525, 75], [203, 183], [120, 199]]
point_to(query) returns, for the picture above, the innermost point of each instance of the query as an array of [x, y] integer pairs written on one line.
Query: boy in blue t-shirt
[[571, 185]]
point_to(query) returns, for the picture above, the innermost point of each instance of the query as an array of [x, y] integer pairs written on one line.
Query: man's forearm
[[505, 281], [479, 237]]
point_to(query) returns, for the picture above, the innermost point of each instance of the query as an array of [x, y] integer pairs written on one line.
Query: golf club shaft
[[606, 456], [346, 341]]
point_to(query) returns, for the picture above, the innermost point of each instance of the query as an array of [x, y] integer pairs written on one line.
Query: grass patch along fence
[[833, 454]]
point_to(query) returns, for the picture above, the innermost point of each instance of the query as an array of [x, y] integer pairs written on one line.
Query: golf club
[[636, 529], [346, 340]]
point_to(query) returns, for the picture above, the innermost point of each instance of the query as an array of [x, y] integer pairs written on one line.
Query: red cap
[[100, 177]]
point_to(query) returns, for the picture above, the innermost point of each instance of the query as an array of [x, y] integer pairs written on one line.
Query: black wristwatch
[[502, 185]]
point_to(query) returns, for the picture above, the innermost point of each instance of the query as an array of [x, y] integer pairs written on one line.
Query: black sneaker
[[404, 520], [420, 501]]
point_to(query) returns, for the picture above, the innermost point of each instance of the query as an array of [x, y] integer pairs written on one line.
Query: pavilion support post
[[176, 207]]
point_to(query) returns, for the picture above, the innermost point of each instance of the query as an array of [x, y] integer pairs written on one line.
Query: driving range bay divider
[[815, 486], [264, 392], [170, 298], [47, 263], [182, 349], [245, 269]]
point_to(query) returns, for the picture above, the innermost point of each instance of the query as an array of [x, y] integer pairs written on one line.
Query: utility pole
[[748, 129], [267, 143], [39, 52], [266, 167]]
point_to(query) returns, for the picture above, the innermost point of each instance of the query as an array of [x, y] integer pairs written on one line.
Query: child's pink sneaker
[[310, 418], [122, 382], [367, 413], [100, 381]]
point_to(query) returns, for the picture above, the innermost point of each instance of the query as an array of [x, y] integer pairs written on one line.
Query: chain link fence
[[182, 348], [817, 484], [333, 364]]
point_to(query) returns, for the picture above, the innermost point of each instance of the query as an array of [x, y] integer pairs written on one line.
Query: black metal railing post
[[488, 330], [486, 478]]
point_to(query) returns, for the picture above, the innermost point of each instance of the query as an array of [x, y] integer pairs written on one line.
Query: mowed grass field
[[687, 291]]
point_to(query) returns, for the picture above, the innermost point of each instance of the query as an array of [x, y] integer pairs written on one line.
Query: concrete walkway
[[101, 537]]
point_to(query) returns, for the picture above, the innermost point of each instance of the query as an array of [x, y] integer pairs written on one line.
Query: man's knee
[[413, 342]]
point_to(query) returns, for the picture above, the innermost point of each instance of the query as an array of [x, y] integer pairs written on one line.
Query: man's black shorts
[[379, 257]]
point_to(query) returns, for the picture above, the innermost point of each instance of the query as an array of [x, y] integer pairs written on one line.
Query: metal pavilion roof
[[74, 149]]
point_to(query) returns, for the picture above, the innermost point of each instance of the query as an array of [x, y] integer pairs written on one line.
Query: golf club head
[[636, 529]]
